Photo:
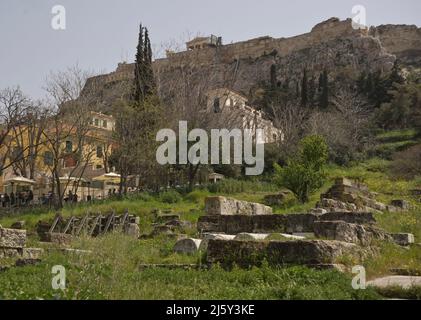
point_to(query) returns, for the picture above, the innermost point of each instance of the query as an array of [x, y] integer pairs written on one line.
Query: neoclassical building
[[233, 110]]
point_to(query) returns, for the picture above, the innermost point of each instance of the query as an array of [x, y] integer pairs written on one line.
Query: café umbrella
[[21, 181], [66, 179], [111, 177]]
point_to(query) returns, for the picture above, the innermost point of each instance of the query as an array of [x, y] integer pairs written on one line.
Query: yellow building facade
[[79, 160]]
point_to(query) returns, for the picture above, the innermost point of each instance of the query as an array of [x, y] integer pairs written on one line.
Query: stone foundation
[[239, 224], [11, 238], [348, 232], [58, 238], [252, 253]]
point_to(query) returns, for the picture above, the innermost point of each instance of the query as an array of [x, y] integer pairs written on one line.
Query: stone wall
[[402, 40], [235, 224], [290, 223]]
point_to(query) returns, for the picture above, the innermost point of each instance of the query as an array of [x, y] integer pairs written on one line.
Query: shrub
[[406, 164], [170, 197], [142, 196], [304, 172], [197, 196]]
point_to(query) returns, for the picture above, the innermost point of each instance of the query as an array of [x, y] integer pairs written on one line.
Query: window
[[104, 123], [98, 167], [99, 152], [48, 158], [69, 146], [216, 105], [96, 122]]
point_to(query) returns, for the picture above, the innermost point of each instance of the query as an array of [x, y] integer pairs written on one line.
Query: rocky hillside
[[332, 45]]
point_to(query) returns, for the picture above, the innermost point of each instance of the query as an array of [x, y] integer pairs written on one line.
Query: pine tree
[[304, 89], [361, 82], [395, 77]]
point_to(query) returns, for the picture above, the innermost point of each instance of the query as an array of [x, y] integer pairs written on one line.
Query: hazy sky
[[100, 33]]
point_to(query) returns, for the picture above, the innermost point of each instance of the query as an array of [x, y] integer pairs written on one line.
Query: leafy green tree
[[404, 109], [304, 172], [378, 87]]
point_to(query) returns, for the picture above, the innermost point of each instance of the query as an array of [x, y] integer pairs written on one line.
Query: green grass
[[386, 150], [112, 272], [394, 141], [396, 135], [413, 293], [391, 256]]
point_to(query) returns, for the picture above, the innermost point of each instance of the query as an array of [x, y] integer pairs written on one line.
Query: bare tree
[[28, 136], [189, 99], [345, 128], [13, 109], [290, 118], [68, 130]]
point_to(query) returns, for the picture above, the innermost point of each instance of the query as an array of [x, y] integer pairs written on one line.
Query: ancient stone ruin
[[347, 195], [245, 234], [169, 224], [221, 206], [62, 231], [13, 245]]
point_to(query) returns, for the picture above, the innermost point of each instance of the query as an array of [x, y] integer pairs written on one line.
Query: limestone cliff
[[333, 45], [401, 40]]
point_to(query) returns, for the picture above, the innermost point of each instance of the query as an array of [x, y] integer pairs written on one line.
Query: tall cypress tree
[[297, 89], [139, 92], [273, 77], [144, 79], [149, 78], [324, 94], [304, 90], [311, 90]]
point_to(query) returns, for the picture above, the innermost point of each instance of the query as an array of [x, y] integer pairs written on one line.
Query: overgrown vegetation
[[113, 273], [304, 172]]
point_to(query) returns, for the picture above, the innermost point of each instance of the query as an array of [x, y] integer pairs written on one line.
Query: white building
[[235, 112]]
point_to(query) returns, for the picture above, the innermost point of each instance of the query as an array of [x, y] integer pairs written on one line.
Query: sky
[[101, 33]]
